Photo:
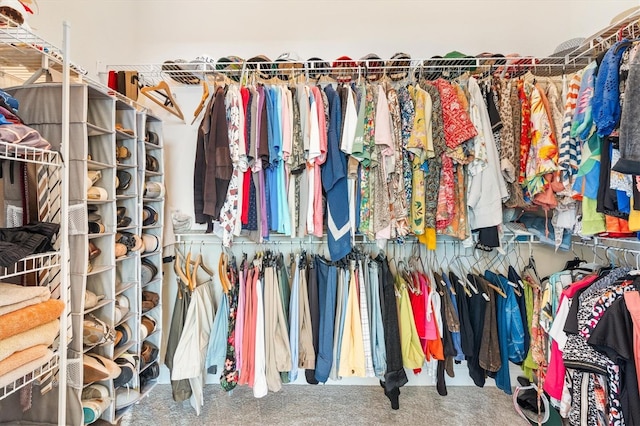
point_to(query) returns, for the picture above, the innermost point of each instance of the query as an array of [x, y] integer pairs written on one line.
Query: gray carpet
[[330, 404]]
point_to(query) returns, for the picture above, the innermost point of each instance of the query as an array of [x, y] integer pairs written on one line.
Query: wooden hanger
[[203, 101], [169, 104]]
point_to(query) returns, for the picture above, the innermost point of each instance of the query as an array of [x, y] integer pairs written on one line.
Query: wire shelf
[[23, 381], [33, 263], [11, 151]]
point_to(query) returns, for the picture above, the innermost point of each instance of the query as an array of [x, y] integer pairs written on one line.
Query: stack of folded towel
[[29, 323]]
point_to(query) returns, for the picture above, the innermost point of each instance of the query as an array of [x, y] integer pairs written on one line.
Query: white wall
[[144, 31]]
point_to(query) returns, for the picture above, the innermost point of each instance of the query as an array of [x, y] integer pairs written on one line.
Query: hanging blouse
[[366, 226], [458, 127], [543, 154], [382, 165], [400, 225], [407, 113], [421, 140]]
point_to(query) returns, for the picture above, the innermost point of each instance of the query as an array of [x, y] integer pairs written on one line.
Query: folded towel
[[42, 335], [21, 358], [25, 369], [27, 318], [14, 297]]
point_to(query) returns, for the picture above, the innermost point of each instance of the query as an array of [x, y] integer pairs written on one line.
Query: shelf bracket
[[43, 70]]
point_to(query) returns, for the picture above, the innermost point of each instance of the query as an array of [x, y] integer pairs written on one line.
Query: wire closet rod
[[192, 238]]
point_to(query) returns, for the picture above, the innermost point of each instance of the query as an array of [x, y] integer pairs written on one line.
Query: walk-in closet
[[287, 212]]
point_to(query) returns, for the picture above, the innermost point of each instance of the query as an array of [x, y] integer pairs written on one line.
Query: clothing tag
[[521, 283], [486, 297], [512, 284]]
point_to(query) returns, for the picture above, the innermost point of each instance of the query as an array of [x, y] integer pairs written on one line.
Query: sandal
[[149, 216], [122, 152], [124, 180], [152, 138], [96, 228], [129, 132], [151, 163], [96, 332]]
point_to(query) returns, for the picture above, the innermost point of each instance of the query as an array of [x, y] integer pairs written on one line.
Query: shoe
[[147, 326], [122, 302], [152, 138], [91, 300], [150, 300], [149, 374], [148, 271], [153, 189], [94, 176], [148, 353], [96, 228], [128, 367], [94, 251], [96, 193], [121, 128], [94, 217], [97, 368], [122, 152], [92, 409], [133, 242], [124, 180], [152, 164], [126, 397], [151, 243], [95, 391], [120, 250], [125, 330], [124, 222], [96, 332], [149, 216]]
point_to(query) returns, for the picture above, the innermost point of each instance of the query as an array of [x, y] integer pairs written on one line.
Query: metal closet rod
[[192, 239]]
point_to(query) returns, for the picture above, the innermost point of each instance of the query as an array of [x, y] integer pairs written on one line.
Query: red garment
[[419, 306], [458, 127], [525, 131], [446, 209], [554, 381], [244, 215]]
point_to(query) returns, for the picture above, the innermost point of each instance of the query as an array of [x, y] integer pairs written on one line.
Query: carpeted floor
[[330, 404]]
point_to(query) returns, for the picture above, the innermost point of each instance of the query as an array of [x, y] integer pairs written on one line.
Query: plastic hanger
[[203, 101], [167, 102]]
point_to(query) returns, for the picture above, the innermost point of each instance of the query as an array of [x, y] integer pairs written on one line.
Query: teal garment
[[217, 348], [582, 123]]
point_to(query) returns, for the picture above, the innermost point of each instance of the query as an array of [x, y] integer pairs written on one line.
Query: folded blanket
[[21, 358], [42, 335], [14, 297], [11, 308], [25, 369], [27, 318]]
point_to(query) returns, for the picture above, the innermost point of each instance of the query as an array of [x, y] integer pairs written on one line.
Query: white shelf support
[[64, 226]]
